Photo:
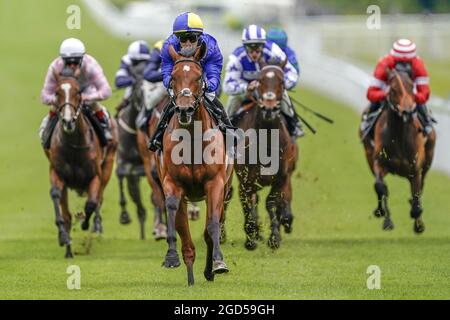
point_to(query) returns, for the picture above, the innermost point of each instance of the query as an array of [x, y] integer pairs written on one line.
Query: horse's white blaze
[[186, 68], [270, 74], [67, 115]]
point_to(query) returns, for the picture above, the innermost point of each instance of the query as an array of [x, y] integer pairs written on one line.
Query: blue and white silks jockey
[[242, 73]]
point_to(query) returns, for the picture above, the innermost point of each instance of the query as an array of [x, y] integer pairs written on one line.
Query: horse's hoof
[[124, 218], [209, 276], [419, 226], [97, 228], [287, 228], [171, 260], [388, 225], [219, 267], [69, 254], [274, 241], [250, 245], [63, 238], [85, 225], [378, 213]]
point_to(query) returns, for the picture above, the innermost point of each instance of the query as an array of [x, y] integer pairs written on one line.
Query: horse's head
[[401, 94], [137, 91], [187, 84], [68, 97], [270, 89]]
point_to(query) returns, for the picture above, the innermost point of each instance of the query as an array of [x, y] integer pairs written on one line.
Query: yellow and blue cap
[[187, 22]]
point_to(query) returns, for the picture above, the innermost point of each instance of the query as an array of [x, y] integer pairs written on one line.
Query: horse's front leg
[[284, 209], [56, 192], [416, 206], [124, 215], [382, 193], [173, 196], [67, 220], [273, 202], [92, 202], [214, 190], [135, 192], [187, 246], [248, 200]]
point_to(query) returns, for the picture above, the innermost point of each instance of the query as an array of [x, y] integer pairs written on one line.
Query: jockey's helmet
[[187, 22], [158, 44], [278, 36], [138, 51], [403, 50], [253, 34], [72, 51]]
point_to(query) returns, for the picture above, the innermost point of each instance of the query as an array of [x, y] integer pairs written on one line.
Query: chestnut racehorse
[[191, 180], [400, 147], [77, 160], [264, 113]]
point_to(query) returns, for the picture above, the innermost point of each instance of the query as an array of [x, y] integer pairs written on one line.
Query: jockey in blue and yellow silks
[[187, 36]]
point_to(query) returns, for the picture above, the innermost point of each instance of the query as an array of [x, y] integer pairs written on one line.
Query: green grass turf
[[335, 236]]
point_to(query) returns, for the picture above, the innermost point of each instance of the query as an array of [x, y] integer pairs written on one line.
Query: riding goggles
[[188, 36], [73, 60], [254, 47]]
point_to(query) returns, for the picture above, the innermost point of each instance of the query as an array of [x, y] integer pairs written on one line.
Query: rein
[[186, 92], [405, 114]]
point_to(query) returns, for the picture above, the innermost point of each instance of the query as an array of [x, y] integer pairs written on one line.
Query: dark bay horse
[[192, 180], [400, 147], [129, 161], [264, 114], [77, 160]]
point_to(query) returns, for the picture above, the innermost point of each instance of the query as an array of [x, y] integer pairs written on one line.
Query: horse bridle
[[270, 95], [68, 103], [405, 114], [186, 92]]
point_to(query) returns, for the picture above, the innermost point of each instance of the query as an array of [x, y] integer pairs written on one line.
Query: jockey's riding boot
[[294, 126], [425, 118], [46, 129], [374, 106], [222, 119], [155, 142], [143, 118], [103, 118]]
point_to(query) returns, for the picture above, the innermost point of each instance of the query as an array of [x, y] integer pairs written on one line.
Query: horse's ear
[[173, 53], [200, 52], [283, 63]]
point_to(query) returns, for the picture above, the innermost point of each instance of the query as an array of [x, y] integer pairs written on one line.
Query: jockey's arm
[[291, 76], [213, 69], [48, 96], [97, 80], [378, 84], [123, 78], [233, 83], [166, 64], [421, 82], [152, 72]]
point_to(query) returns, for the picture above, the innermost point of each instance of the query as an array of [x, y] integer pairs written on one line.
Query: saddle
[[51, 125]]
